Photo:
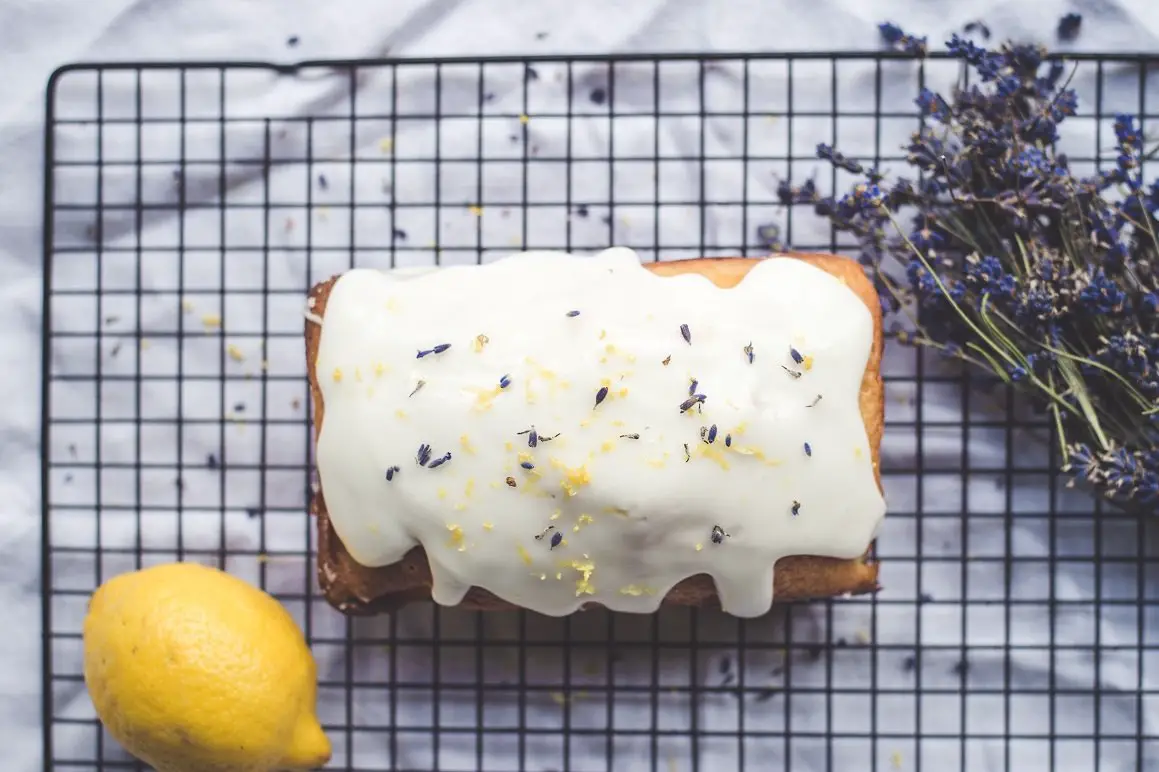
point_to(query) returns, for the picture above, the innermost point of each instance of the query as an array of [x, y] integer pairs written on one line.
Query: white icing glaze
[[635, 516]]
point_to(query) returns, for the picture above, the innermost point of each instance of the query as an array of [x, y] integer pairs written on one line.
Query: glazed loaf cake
[[551, 432]]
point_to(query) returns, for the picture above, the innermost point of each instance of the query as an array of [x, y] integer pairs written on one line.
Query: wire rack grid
[[189, 207]]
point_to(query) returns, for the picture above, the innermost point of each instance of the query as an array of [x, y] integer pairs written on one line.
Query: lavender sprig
[[1016, 263]]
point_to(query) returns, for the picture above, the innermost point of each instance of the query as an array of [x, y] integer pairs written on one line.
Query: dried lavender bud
[[1069, 26], [899, 40]]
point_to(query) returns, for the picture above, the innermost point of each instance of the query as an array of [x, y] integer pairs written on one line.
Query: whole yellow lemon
[[190, 668]]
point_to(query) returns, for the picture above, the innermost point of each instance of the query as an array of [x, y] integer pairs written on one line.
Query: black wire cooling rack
[[187, 211]]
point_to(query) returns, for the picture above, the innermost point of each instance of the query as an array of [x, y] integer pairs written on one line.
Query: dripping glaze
[[629, 486]]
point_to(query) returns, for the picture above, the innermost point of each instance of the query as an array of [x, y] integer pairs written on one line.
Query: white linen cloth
[[1099, 660]]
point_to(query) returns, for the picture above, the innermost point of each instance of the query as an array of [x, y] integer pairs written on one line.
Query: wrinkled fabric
[[853, 669]]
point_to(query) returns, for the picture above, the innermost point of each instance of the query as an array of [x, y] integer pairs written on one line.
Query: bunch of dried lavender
[[1015, 263]]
